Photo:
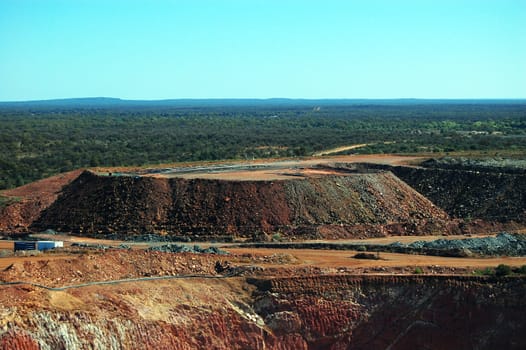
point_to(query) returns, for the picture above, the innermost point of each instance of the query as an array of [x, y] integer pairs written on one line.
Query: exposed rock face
[[95, 204], [492, 196], [317, 312], [346, 312]]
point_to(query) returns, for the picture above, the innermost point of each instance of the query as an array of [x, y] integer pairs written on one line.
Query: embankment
[[310, 312], [358, 204], [469, 194]]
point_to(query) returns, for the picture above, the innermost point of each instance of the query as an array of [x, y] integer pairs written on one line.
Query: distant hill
[[105, 102], [67, 102]]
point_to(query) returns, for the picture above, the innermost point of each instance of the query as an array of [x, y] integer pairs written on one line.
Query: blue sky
[[159, 49]]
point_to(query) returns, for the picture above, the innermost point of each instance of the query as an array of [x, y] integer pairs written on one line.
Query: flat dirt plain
[[331, 261], [276, 170]]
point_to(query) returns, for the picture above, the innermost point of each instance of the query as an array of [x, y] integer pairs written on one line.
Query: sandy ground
[[335, 259], [293, 258], [340, 149], [286, 169], [6, 244], [5, 262]]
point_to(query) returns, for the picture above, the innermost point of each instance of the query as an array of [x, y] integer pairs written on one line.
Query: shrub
[[487, 271], [276, 237], [502, 270], [5, 252], [418, 271], [366, 256]]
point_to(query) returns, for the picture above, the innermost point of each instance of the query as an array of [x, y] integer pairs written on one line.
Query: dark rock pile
[[502, 244], [511, 166], [177, 248]]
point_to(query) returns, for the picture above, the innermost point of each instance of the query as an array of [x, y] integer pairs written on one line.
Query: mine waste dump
[[308, 207], [318, 201], [336, 198], [334, 253]]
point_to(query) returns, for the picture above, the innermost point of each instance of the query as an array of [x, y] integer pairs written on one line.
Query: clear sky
[[160, 49]]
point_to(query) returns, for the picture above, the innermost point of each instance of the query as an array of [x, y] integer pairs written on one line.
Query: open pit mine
[[301, 254]]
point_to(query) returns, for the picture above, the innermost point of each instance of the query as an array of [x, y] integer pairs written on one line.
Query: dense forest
[[39, 140]]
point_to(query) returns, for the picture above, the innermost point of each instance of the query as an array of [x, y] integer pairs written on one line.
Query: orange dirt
[[22, 260], [276, 299], [6, 245], [33, 198], [76, 265], [269, 299], [344, 259], [278, 169]]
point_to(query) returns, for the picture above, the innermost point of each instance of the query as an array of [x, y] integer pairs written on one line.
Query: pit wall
[[312, 312], [386, 312]]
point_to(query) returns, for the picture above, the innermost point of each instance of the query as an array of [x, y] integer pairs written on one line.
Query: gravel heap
[[516, 166], [179, 248], [503, 244]]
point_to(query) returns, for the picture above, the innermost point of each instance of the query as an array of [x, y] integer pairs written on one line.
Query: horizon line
[[108, 98]]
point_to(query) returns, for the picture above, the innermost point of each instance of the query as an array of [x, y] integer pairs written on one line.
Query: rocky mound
[[503, 244], [493, 196], [110, 265], [27, 202], [351, 205], [489, 165]]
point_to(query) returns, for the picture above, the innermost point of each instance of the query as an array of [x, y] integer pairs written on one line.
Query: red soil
[[31, 200]]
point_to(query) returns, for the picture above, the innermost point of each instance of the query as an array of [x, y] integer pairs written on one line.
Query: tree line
[[37, 142]]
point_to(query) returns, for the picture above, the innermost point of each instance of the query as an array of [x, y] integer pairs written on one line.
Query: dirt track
[[336, 259], [273, 170], [329, 260]]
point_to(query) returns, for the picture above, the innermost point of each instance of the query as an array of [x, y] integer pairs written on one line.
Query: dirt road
[[339, 149], [335, 259], [274, 170]]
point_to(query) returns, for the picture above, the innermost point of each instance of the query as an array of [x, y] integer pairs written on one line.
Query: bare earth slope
[[310, 312], [30, 200], [296, 198], [352, 204], [497, 195]]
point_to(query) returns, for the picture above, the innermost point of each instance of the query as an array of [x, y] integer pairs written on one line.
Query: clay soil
[[74, 265], [284, 169], [389, 262], [31, 199], [110, 300]]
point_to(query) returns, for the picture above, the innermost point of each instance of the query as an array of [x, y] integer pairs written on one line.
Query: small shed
[[38, 245], [25, 245]]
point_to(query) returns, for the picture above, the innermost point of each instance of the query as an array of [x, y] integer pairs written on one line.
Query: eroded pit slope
[[309, 312], [356, 204]]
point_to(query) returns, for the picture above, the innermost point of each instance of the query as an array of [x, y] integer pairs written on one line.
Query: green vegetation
[[418, 271], [486, 272], [39, 141], [276, 237], [7, 200], [501, 271]]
